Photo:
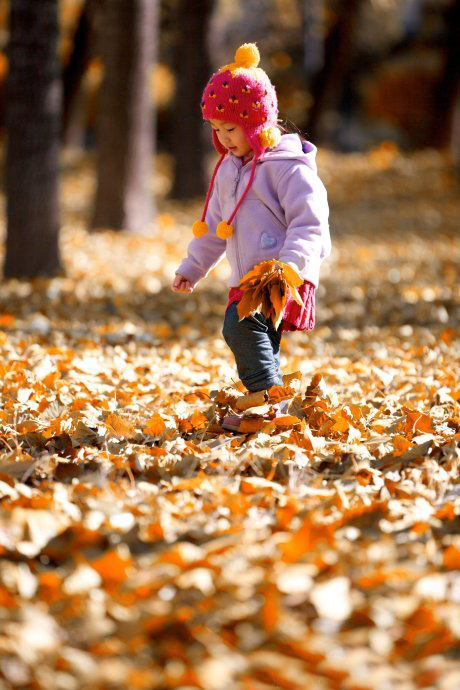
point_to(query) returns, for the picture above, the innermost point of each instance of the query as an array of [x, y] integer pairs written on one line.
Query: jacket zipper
[[237, 246]]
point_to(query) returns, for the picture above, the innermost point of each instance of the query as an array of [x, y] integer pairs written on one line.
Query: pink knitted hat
[[243, 94]]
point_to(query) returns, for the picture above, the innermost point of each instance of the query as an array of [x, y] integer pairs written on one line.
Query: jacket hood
[[292, 147]]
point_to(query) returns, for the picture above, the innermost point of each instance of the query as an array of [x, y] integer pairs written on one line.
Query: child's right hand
[[181, 284]]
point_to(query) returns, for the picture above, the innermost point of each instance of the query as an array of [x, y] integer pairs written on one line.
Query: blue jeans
[[256, 347]]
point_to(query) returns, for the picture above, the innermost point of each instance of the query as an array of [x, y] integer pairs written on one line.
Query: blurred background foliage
[[385, 63], [351, 74], [394, 58]]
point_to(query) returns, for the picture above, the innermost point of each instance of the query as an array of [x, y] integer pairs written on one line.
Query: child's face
[[231, 136]]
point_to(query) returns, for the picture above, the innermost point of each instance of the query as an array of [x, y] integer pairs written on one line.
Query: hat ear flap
[[270, 137]]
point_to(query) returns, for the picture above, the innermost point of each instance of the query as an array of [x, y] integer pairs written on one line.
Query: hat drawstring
[[200, 227], [225, 229]]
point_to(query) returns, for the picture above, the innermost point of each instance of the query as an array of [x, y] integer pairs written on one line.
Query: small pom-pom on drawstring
[[247, 56], [200, 228], [270, 137], [224, 230]]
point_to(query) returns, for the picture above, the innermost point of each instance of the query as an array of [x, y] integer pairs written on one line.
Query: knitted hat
[[243, 94]]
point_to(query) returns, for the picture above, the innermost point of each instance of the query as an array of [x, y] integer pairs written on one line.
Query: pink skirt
[[295, 317]]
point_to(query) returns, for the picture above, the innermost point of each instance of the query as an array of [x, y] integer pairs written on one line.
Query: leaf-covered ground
[[143, 547]]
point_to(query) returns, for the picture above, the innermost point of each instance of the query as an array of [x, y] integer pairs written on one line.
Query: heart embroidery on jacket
[[267, 241]]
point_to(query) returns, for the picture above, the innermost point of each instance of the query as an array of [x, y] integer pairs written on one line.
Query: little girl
[[265, 202]]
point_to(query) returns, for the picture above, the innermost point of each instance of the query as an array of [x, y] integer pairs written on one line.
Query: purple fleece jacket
[[284, 216]]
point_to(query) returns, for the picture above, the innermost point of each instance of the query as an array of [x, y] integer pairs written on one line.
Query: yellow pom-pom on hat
[[247, 56], [224, 230], [270, 137], [200, 228]]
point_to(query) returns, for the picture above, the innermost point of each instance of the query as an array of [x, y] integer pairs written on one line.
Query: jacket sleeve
[[205, 252], [303, 198]]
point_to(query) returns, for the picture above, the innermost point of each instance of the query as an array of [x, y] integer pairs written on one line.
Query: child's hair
[[287, 127]]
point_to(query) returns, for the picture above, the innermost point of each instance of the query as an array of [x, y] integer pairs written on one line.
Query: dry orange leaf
[[50, 579], [300, 440], [451, 558], [155, 425], [305, 539], [293, 376], [340, 423], [286, 421], [119, 426], [400, 445], [417, 422], [54, 428], [227, 396], [198, 420], [244, 402], [250, 425], [6, 320], [184, 426], [312, 391], [286, 513], [111, 566], [279, 393], [270, 609]]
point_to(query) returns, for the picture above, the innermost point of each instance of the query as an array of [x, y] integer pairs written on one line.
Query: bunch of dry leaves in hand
[[266, 289], [143, 547]]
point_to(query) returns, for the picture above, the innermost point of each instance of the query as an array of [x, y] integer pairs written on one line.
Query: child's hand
[[181, 284]]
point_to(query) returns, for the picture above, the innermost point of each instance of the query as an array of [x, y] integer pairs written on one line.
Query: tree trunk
[[328, 83], [83, 50], [125, 128], [33, 111], [313, 13], [447, 90], [454, 140], [192, 68]]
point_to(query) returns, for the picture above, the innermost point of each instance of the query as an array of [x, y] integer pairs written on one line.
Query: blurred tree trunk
[[84, 47], [313, 13], [328, 82], [33, 111], [125, 127], [192, 68], [447, 93], [455, 131]]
